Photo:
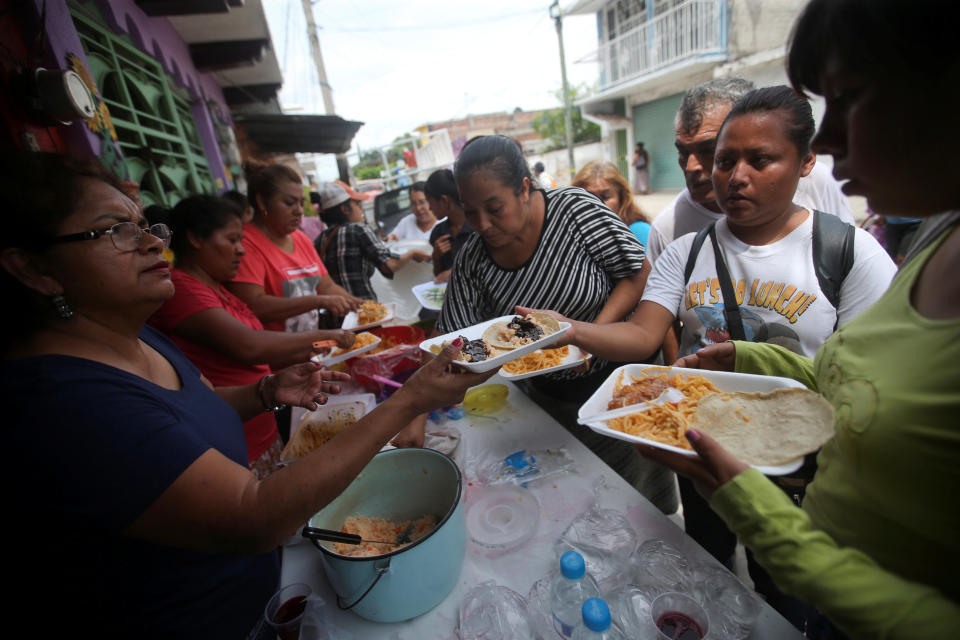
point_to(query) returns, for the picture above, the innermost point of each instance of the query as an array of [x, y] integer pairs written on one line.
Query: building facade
[[651, 51]]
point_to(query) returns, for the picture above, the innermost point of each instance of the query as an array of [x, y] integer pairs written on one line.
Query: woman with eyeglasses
[[131, 509], [214, 328]]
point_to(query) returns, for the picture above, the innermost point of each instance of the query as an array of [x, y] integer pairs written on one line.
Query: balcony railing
[[687, 31]]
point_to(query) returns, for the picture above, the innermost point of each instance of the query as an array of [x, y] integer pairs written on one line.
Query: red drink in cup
[[284, 611]]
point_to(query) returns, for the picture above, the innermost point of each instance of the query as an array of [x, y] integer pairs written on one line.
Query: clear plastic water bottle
[[596, 622], [569, 591]]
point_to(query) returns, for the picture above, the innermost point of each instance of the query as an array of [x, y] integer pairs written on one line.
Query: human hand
[[412, 435], [442, 244], [714, 468], [443, 276], [418, 256], [303, 385], [344, 338], [336, 304], [436, 384], [715, 357], [568, 338], [392, 237]]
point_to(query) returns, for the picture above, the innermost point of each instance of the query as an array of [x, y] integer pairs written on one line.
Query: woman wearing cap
[[214, 328], [350, 250], [419, 224], [281, 278]]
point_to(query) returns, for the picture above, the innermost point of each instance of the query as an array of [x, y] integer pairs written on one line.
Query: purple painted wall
[[157, 38]]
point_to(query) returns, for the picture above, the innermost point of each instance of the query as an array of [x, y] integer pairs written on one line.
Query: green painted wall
[[653, 125]]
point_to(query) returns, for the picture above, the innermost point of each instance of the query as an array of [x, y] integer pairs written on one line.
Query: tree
[[550, 125]]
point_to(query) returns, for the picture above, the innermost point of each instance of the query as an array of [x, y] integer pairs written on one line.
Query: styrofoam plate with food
[[355, 320], [767, 421], [483, 335], [538, 363], [430, 294], [364, 342]]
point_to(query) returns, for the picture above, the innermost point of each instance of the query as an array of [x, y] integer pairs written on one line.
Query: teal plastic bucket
[[400, 485]]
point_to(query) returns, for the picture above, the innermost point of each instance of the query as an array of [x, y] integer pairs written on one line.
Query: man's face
[[695, 154]]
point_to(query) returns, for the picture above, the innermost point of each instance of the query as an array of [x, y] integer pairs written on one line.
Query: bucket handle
[[381, 566]]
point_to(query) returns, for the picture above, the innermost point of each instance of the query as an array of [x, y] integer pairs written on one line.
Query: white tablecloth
[[520, 424]]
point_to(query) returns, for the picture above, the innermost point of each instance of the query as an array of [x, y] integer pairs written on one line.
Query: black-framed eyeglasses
[[126, 236]]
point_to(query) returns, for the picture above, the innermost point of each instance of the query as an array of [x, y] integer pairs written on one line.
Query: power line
[[435, 27]]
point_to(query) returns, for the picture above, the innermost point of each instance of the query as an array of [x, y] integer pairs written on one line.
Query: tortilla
[[766, 428], [501, 336]]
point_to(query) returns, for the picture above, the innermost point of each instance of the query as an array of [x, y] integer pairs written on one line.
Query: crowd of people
[[146, 401]]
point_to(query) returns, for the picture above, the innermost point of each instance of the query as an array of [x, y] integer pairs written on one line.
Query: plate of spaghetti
[[364, 342], [660, 422], [544, 361], [369, 314]]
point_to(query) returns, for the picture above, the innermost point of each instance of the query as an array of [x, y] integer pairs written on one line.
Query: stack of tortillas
[[766, 428]]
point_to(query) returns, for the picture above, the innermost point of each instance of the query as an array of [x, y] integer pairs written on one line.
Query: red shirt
[[192, 296], [282, 274]]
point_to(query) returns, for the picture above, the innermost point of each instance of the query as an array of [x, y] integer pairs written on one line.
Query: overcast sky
[[397, 65]]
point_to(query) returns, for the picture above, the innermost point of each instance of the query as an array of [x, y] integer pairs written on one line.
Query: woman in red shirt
[[217, 330]]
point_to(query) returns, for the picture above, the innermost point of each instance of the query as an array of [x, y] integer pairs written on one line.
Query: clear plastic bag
[[660, 565], [606, 540], [524, 467], [493, 612], [538, 605]]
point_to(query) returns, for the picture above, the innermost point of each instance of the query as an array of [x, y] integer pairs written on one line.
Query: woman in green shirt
[[876, 546]]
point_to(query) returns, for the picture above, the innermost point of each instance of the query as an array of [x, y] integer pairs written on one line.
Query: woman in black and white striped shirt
[[555, 249]]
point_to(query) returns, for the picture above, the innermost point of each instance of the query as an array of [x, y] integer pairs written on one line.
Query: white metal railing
[[688, 30]]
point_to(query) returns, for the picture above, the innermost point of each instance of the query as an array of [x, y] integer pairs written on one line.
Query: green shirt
[[878, 549]]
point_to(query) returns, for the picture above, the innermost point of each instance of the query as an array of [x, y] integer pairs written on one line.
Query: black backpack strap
[[695, 251], [730, 308], [833, 241]]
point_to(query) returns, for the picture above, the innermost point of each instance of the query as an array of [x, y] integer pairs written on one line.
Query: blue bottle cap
[[455, 413], [596, 615], [572, 565]]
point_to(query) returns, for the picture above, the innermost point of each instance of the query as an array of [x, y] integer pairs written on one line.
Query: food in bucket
[[394, 536], [370, 312], [538, 360], [758, 428], [364, 339], [520, 331]]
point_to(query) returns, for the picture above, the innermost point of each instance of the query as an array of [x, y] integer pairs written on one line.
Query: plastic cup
[[284, 611], [668, 605]]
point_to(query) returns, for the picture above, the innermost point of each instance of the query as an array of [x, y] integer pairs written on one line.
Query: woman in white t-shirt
[[419, 224], [763, 149]]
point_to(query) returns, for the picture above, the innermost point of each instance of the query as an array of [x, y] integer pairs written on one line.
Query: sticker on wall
[[101, 123]]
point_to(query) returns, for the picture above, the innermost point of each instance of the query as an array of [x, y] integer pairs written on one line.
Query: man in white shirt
[[697, 124]]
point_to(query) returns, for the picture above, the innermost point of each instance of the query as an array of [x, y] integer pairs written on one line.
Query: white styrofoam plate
[[427, 292], [350, 320], [723, 380], [338, 355], [574, 358], [476, 331]]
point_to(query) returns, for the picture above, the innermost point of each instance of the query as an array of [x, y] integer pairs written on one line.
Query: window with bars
[[151, 114]]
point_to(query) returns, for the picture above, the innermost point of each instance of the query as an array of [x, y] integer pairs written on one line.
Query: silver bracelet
[[263, 400]]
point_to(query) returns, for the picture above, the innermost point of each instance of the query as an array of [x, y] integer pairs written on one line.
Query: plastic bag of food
[[493, 612], [398, 352]]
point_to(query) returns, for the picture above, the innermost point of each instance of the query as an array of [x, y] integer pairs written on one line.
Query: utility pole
[[342, 165], [557, 16]]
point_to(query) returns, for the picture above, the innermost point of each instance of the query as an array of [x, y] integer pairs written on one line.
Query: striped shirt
[[584, 250]]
